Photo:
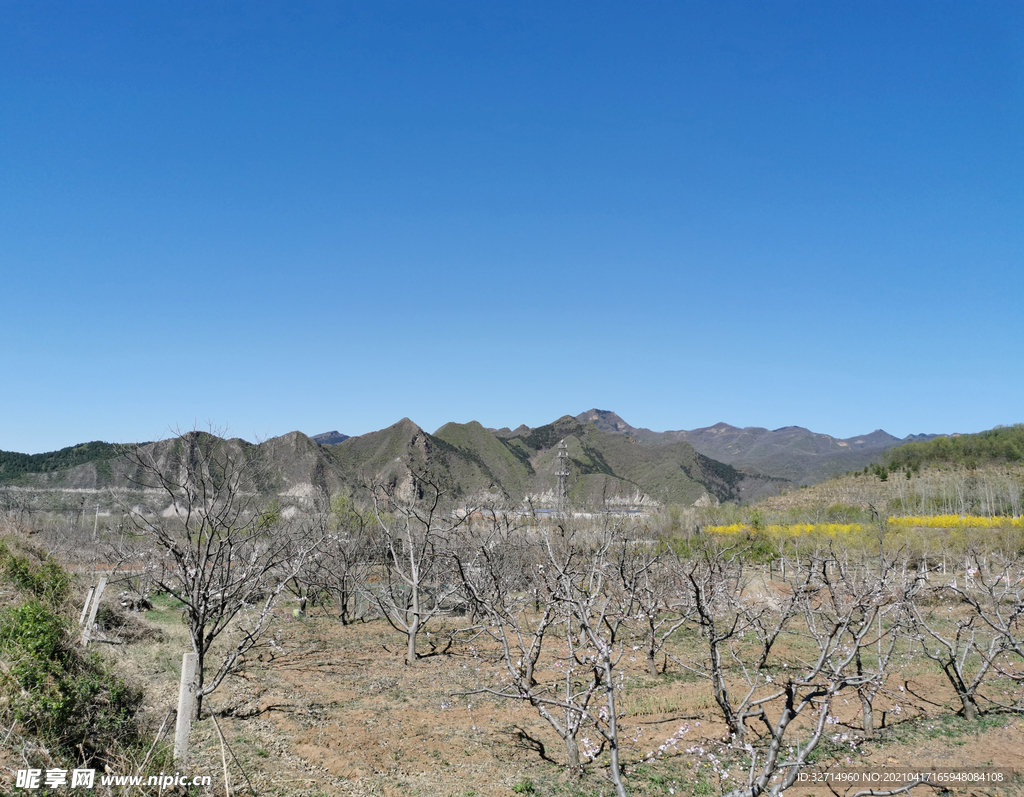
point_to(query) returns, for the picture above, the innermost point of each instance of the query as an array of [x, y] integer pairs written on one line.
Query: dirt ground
[[335, 710]]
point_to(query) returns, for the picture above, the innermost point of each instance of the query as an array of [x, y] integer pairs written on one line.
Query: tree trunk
[[970, 708], [343, 600], [572, 756], [414, 627], [652, 642], [616, 773], [198, 711], [732, 719], [869, 716]]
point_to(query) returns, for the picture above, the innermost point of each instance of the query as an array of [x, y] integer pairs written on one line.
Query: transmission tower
[[562, 493]]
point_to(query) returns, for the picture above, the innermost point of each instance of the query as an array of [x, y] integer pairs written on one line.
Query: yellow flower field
[[955, 522], [851, 529]]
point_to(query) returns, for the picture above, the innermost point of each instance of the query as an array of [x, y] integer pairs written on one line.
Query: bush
[[70, 700], [49, 581], [56, 692]]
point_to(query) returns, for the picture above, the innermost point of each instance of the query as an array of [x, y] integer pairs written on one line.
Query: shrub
[[70, 700], [56, 692], [49, 581]]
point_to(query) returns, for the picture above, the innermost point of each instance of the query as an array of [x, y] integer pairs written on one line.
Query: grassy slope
[[493, 457]]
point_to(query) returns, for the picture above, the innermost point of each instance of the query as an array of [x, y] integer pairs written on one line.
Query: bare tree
[[344, 561], [973, 626], [417, 576], [654, 596], [839, 617], [739, 631], [215, 548], [998, 599], [887, 596], [303, 584], [964, 644], [348, 556], [15, 509], [495, 556], [578, 627]]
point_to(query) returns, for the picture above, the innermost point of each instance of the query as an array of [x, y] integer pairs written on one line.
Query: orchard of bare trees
[[804, 644], [780, 632]]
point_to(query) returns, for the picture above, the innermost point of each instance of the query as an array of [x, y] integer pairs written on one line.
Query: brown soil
[[339, 712]]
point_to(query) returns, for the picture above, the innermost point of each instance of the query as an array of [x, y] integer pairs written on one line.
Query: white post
[[186, 700], [92, 610], [85, 608]]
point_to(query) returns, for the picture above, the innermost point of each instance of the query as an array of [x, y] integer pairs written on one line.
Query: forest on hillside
[[14, 465], [1001, 444]]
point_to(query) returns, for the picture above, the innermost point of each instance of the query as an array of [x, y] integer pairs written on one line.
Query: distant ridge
[[790, 452], [613, 463], [608, 470], [922, 438]]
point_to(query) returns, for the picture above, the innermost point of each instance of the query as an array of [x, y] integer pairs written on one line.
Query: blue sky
[[315, 216]]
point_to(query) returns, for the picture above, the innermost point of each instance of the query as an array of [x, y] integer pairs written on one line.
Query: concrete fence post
[[85, 607], [95, 607], [186, 701]]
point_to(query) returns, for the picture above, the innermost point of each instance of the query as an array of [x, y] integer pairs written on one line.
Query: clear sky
[[316, 216]]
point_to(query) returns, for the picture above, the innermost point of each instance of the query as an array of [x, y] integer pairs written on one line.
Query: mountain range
[[611, 463], [792, 452], [606, 470]]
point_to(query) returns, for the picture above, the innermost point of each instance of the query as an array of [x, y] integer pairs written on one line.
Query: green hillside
[[502, 464], [14, 466], [385, 455], [467, 458], [1001, 444]]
